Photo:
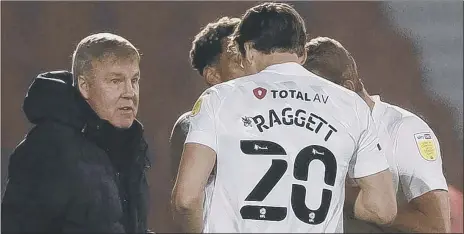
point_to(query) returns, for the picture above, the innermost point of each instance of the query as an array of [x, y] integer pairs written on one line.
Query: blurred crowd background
[[411, 53]]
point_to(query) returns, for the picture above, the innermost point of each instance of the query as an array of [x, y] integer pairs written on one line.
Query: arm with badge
[[197, 163], [421, 180], [376, 201]]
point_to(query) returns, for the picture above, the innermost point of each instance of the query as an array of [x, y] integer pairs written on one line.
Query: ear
[[349, 84], [240, 61], [249, 52], [211, 76], [83, 85]]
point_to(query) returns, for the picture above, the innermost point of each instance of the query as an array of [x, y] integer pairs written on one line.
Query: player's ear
[[349, 84], [211, 76], [83, 85], [249, 52]]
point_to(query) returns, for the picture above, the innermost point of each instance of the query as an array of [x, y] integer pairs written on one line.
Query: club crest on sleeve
[[196, 107], [426, 146]]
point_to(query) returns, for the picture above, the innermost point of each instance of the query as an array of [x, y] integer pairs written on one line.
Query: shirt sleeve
[[418, 158], [369, 157], [202, 128]]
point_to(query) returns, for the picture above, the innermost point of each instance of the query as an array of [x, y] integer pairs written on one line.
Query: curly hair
[[208, 43]]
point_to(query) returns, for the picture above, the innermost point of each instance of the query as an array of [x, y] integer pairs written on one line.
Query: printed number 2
[[300, 172]]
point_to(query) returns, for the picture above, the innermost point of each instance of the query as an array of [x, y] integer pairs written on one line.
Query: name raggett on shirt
[[299, 118]]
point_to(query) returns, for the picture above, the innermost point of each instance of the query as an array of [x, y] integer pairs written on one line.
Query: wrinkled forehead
[[112, 64]]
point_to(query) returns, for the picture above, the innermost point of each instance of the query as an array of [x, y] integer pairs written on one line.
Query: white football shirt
[[285, 140], [412, 151]]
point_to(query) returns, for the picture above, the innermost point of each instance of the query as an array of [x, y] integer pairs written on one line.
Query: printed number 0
[[300, 172]]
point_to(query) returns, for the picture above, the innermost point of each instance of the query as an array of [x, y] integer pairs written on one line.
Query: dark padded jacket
[[74, 172]]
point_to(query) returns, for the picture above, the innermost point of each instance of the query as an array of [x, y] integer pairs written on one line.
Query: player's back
[[285, 139]]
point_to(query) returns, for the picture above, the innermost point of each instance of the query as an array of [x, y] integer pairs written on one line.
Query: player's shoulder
[[350, 102], [224, 89], [405, 120], [340, 94], [231, 85], [220, 90], [182, 123], [332, 87], [183, 119]]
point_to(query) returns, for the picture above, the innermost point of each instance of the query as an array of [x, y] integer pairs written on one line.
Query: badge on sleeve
[[196, 108], [426, 145]]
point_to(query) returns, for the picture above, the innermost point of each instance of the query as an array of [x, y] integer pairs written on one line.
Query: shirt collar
[[379, 107], [290, 68]]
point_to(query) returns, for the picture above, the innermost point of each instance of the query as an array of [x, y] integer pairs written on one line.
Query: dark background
[[41, 36]]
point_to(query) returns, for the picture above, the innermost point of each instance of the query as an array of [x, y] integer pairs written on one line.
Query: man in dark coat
[[82, 167]]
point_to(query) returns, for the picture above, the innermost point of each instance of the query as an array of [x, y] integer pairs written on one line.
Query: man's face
[[113, 91]]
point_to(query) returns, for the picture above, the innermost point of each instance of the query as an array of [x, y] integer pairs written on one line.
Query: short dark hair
[[208, 43], [271, 27], [97, 46], [329, 58]]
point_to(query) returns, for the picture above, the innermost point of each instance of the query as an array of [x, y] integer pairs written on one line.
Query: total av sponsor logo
[[261, 93]]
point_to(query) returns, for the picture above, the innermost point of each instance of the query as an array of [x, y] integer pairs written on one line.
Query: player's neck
[[367, 98], [267, 60]]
